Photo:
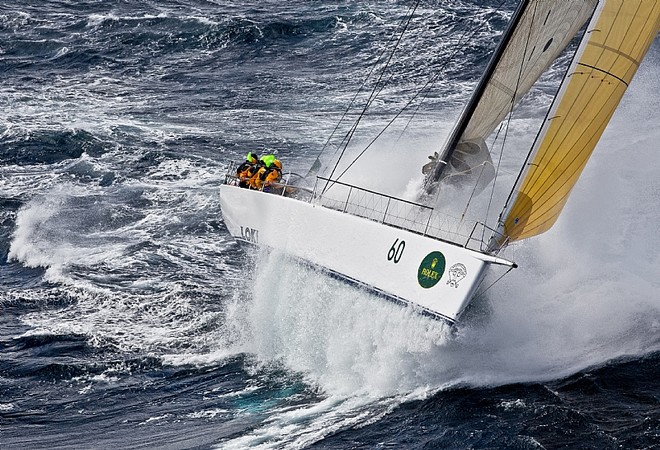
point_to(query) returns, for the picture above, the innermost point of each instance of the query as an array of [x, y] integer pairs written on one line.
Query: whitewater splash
[[109, 252]]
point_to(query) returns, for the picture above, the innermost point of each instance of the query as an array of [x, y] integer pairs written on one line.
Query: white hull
[[391, 261]]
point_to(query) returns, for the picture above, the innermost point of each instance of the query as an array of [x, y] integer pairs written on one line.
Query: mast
[[467, 113]]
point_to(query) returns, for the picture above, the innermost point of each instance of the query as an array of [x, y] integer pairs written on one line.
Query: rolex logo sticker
[[431, 270]]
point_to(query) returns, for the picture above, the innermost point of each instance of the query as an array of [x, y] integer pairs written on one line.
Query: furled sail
[[618, 37], [539, 31]]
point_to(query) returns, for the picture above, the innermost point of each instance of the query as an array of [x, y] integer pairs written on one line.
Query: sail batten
[[618, 37], [605, 72]]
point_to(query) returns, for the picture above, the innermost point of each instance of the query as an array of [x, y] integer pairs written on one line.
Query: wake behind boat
[[416, 253]]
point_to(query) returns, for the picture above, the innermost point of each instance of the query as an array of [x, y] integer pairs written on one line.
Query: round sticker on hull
[[431, 270]]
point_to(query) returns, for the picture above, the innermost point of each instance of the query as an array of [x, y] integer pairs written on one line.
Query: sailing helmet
[[252, 157], [267, 159]]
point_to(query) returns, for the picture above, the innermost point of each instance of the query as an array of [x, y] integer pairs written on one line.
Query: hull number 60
[[396, 251]]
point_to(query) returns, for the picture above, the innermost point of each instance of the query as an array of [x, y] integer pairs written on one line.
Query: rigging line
[[432, 178], [448, 160], [426, 88], [396, 116], [469, 34], [372, 96], [474, 189], [476, 184], [349, 135], [352, 102], [464, 172], [375, 91], [493, 283], [508, 122]]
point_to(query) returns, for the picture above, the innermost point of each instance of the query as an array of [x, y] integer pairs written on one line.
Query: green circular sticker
[[431, 270]]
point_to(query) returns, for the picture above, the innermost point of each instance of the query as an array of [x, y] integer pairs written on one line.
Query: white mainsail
[[539, 32]]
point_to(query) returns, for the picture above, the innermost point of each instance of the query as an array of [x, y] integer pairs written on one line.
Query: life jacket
[[257, 180], [246, 170], [268, 172], [265, 177], [273, 175]]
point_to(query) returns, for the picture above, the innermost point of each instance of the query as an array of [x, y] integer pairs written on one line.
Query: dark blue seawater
[[131, 318]]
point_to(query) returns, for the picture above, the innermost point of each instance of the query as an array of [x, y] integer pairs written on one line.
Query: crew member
[[273, 175], [246, 170], [267, 160], [269, 172]]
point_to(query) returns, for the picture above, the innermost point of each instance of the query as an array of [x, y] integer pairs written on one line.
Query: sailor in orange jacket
[[246, 170], [273, 175], [270, 172]]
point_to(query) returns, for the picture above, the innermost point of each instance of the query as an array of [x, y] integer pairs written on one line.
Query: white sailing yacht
[[414, 253]]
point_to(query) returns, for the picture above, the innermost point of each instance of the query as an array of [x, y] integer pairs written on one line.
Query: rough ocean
[[132, 319]]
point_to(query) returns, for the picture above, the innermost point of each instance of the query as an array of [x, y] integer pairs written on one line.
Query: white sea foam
[[122, 300], [207, 413], [4, 407], [95, 20], [41, 239]]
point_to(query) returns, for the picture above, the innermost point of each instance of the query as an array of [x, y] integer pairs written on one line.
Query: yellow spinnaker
[[616, 41]]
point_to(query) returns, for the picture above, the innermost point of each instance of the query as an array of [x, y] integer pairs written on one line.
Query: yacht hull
[[436, 277]]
